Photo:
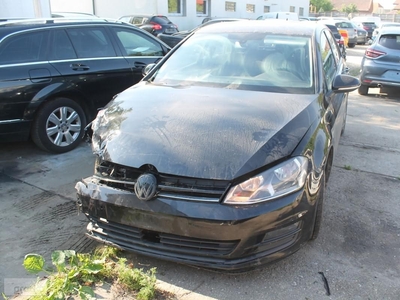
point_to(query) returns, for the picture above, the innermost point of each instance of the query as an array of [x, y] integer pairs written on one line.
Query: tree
[[322, 5], [350, 8]]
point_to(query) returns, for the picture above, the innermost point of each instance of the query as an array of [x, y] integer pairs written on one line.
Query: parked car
[[362, 36], [351, 31], [368, 26], [284, 15], [56, 73], [220, 156], [382, 25], [173, 39], [380, 66], [308, 19], [339, 39], [155, 24]]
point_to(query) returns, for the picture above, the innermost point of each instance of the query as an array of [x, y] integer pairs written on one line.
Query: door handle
[[79, 67]]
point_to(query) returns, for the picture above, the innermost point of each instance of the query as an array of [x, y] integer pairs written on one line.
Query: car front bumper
[[207, 235]]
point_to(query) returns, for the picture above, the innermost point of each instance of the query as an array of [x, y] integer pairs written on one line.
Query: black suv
[[55, 74], [155, 24]]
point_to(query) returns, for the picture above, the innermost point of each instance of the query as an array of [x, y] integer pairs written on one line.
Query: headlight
[[283, 179]]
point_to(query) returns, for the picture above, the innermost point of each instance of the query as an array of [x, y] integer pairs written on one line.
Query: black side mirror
[[345, 83]]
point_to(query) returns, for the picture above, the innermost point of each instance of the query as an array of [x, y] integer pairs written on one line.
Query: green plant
[[75, 273], [347, 167]]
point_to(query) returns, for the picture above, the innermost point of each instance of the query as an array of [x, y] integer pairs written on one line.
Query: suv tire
[[59, 126]]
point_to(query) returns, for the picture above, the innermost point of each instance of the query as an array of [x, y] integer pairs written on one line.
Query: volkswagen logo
[[146, 187]]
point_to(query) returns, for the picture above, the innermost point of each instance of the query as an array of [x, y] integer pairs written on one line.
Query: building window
[[301, 11], [230, 6], [175, 7], [250, 8], [292, 9], [267, 9], [202, 7]]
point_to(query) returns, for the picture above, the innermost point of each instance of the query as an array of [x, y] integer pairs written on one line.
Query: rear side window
[[23, 48], [61, 46], [91, 42], [136, 44], [391, 41]]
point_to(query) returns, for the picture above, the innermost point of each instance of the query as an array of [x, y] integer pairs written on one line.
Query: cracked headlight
[[280, 180]]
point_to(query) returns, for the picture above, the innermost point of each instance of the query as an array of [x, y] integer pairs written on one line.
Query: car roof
[[390, 30], [27, 24], [268, 26]]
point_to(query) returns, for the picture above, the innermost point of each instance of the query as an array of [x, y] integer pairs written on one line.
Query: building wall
[[24, 8], [187, 19]]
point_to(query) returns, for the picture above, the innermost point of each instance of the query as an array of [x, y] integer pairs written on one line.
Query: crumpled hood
[[201, 132]]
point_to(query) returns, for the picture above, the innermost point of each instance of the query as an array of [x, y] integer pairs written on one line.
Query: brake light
[[365, 27], [371, 53], [341, 41], [156, 26]]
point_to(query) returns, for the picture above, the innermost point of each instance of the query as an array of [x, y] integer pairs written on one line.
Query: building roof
[[362, 5]]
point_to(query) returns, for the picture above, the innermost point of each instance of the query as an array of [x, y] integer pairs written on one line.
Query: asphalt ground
[[357, 252]]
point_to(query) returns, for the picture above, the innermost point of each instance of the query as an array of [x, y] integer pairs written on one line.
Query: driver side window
[[328, 60]]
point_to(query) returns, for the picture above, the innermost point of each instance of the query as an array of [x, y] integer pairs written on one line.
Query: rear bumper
[[207, 235], [374, 75]]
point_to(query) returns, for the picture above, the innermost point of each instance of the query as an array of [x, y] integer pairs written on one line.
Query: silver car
[[351, 31], [380, 66]]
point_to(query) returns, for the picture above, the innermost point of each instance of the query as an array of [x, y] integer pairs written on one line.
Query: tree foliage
[[349, 8], [322, 5]]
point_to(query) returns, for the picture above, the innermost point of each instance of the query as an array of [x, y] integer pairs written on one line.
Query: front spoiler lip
[[238, 265]]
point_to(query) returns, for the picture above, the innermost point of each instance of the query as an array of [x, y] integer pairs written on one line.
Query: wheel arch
[[54, 91]]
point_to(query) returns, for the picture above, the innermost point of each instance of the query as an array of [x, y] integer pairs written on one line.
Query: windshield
[[252, 61]]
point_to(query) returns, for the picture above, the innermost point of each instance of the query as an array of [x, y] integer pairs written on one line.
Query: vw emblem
[[146, 187]]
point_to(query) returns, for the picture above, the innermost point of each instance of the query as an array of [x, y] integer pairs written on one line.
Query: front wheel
[[352, 45], [59, 126]]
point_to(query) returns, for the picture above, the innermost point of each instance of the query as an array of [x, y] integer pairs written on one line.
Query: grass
[[75, 274]]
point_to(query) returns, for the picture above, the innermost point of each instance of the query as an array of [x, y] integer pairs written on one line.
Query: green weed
[[75, 274]]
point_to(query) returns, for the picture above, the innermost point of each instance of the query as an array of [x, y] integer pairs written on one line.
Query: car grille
[[133, 238], [169, 186]]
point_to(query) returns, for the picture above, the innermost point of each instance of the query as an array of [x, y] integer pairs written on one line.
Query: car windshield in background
[[161, 20], [250, 61]]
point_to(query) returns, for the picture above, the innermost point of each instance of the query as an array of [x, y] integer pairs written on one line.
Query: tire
[[59, 126], [319, 205], [363, 89], [352, 45]]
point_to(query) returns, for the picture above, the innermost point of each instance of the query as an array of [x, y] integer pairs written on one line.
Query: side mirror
[[345, 83], [146, 70]]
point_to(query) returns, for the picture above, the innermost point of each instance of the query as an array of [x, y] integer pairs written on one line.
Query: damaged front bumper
[[204, 234]]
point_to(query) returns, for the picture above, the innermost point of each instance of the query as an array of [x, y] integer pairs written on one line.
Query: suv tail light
[[371, 53], [156, 26]]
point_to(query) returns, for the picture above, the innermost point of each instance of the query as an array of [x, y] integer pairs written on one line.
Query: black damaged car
[[220, 156]]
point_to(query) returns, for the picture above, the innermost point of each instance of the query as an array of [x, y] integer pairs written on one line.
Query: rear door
[[138, 48], [24, 71], [86, 57]]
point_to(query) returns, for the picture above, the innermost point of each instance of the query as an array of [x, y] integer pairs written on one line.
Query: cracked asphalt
[[358, 250]]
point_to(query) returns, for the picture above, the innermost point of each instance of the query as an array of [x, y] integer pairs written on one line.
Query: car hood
[[201, 132]]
